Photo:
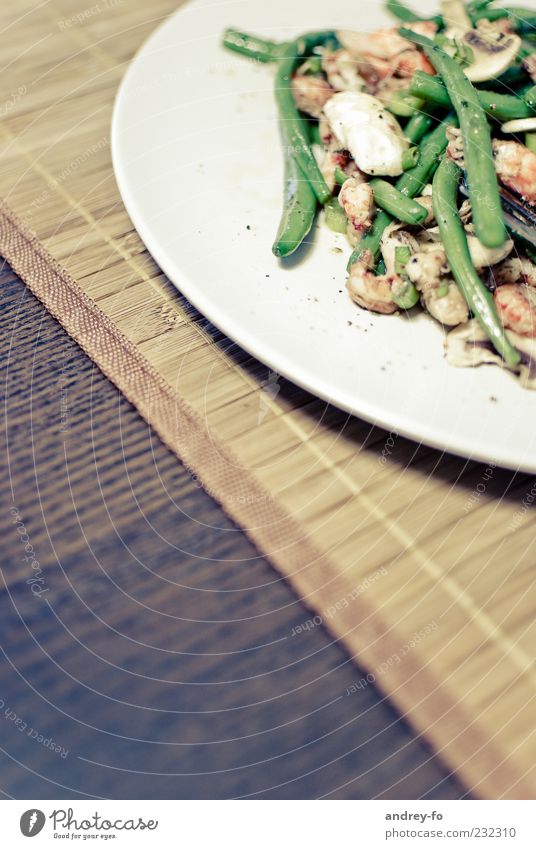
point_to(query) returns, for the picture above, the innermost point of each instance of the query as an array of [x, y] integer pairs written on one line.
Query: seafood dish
[[418, 143]]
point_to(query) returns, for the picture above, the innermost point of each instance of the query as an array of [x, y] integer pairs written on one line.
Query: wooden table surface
[[148, 651]]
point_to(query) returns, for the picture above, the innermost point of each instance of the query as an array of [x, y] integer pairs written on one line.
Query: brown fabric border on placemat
[[423, 700]]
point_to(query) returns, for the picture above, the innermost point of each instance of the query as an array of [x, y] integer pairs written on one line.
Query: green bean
[[313, 65], [340, 176], [481, 175], [406, 295], [503, 107], [400, 11], [403, 13], [336, 218], [454, 239], [402, 257], [531, 253], [299, 206], [477, 6], [309, 41], [530, 141], [264, 50], [403, 104], [297, 129], [530, 97], [524, 20], [489, 15], [372, 240], [511, 78], [396, 204], [418, 126], [403, 291], [314, 134], [410, 157], [410, 184], [525, 51], [303, 179], [522, 91], [259, 49]]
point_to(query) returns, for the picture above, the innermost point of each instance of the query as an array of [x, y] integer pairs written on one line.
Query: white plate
[[196, 155]]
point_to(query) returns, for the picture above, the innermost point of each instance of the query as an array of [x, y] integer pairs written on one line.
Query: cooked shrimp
[[311, 93], [515, 164], [455, 146], [449, 309], [370, 291], [516, 168], [516, 270], [384, 54], [335, 158], [384, 43], [357, 199], [426, 267], [428, 270], [376, 71], [466, 212], [516, 306], [427, 28], [341, 70], [410, 61]]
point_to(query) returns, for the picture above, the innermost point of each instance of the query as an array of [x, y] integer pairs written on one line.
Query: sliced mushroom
[[481, 256], [493, 53], [521, 125], [468, 346], [484, 257]]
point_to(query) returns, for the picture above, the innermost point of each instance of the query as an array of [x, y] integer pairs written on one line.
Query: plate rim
[[415, 431]]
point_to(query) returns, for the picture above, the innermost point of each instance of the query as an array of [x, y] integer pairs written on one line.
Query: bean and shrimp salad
[[412, 139]]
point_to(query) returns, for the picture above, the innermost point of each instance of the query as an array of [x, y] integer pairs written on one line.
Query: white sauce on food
[[362, 124]]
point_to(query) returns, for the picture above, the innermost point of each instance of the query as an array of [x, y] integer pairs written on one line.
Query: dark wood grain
[[156, 648]]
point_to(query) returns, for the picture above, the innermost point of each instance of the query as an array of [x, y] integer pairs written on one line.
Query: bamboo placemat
[[420, 564]]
